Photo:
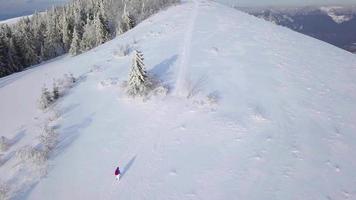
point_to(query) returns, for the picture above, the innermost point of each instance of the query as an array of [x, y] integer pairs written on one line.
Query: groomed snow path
[[283, 127]]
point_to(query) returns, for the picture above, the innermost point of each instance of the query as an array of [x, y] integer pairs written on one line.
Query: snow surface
[[271, 115], [13, 20]]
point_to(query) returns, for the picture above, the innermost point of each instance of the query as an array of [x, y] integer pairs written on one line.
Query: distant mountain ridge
[[333, 24]]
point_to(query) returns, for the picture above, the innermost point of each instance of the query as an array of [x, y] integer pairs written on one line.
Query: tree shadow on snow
[[68, 109], [17, 137], [6, 158], [128, 166], [161, 70], [71, 133], [25, 192]]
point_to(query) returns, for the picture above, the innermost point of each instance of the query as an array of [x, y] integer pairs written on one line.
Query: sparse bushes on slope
[[59, 88], [48, 139], [123, 51], [32, 155], [4, 143], [4, 191]]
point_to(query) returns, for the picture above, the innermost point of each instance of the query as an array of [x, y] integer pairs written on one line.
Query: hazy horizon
[[16, 8]]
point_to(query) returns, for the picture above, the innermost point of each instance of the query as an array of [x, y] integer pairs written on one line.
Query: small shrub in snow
[[46, 99], [213, 98], [55, 92], [196, 87], [4, 143], [32, 155], [67, 82], [48, 139], [4, 191], [108, 83], [139, 84], [124, 50], [160, 91], [60, 86]]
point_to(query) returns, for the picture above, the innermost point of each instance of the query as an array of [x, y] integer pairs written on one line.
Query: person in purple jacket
[[117, 173]]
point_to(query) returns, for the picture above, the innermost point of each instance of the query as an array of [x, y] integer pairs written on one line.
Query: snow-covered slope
[[13, 20], [271, 115]]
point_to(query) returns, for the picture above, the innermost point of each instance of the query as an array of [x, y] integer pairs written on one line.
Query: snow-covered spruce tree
[[101, 32], [139, 83], [127, 22], [89, 36], [53, 44], [24, 33], [3, 61], [39, 32], [67, 34], [75, 45]]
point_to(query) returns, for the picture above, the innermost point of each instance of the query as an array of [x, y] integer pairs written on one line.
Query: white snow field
[[271, 114], [13, 20]]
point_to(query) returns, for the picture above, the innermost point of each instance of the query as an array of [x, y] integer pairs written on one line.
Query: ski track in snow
[[181, 84]]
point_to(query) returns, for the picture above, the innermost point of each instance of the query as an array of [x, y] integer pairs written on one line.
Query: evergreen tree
[[100, 31], [13, 57], [139, 83], [75, 45], [53, 45], [127, 22], [66, 31], [39, 32], [26, 42], [3, 62], [89, 36]]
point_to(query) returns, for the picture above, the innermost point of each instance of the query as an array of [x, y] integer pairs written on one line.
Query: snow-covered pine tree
[[53, 44], [139, 83], [75, 45], [89, 36], [66, 31], [24, 33], [39, 32], [3, 61], [9, 50], [127, 22], [12, 56], [100, 30]]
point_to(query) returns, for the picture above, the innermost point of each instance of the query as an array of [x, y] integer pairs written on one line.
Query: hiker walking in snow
[[117, 173]]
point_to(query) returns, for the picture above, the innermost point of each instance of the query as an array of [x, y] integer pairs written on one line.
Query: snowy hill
[[13, 20], [270, 115]]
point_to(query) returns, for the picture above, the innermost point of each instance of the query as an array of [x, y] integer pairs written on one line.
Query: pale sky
[[15, 8], [287, 2]]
